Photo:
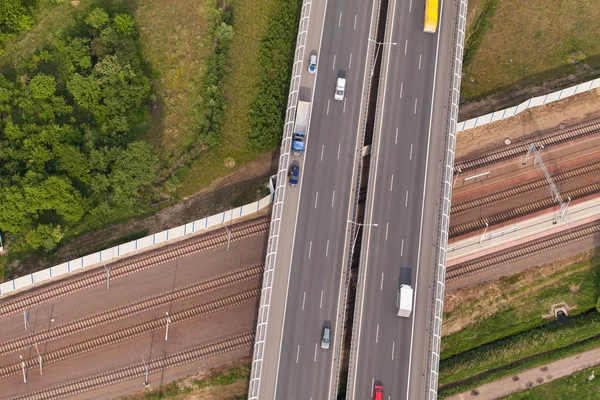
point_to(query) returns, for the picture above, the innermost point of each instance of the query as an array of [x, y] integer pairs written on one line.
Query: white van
[[340, 88]]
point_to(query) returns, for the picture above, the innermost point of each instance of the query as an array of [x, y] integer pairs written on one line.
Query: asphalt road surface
[[392, 350], [304, 370]]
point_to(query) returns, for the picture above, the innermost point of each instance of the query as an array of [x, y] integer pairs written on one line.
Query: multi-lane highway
[[315, 291], [404, 191]]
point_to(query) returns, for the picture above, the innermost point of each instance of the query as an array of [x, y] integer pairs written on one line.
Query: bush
[[478, 30], [267, 112]]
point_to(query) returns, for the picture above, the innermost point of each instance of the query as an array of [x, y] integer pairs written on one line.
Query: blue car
[[312, 64], [294, 175]]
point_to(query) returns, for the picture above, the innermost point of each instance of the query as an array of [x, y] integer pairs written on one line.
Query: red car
[[378, 392]]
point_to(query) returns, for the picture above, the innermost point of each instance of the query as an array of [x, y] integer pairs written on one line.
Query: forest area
[[74, 112]]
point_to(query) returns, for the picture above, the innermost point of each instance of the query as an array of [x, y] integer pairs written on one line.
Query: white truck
[[300, 127], [404, 300]]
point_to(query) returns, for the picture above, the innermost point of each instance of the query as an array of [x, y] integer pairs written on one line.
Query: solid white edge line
[[412, 333], [298, 206], [362, 298]]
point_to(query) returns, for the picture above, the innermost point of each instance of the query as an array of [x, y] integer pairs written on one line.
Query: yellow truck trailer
[[431, 16]]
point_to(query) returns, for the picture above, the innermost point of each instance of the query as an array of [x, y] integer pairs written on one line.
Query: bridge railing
[[288, 130], [444, 216], [102, 257]]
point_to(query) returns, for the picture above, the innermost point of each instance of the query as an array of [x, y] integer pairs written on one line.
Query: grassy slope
[[521, 306], [250, 24], [175, 42], [530, 42]]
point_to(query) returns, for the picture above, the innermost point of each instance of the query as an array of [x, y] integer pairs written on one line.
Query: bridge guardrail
[[444, 216], [114, 253], [288, 130]]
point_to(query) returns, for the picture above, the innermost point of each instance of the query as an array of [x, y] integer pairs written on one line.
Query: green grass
[[516, 348], [527, 43], [517, 367], [522, 306], [176, 43], [181, 387], [251, 20], [576, 386]]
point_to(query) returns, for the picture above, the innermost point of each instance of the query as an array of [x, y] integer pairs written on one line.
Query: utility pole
[[562, 213], [37, 349], [146, 381], [168, 322], [356, 235], [483, 234], [379, 44], [26, 318], [107, 277], [23, 368]]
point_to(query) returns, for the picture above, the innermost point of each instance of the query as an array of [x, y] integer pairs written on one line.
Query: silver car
[[325, 337]]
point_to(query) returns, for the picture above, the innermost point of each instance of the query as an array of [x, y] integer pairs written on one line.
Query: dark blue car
[[294, 175]]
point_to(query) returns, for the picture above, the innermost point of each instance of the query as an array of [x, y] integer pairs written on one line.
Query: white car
[[312, 64], [340, 88]]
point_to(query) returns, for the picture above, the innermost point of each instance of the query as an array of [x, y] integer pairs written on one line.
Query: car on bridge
[[294, 175], [312, 64], [378, 392]]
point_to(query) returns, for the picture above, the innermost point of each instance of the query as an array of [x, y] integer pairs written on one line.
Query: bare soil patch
[[529, 123]]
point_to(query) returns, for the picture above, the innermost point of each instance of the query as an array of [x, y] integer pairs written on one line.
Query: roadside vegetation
[[219, 384], [502, 328], [109, 106], [67, 154], [547, 45], [582, 385]]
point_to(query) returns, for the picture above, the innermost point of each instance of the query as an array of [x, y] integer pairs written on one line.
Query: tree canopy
[[67, 154]]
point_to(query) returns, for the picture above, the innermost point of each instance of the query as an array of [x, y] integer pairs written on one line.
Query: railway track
[[520, 190], [521, 211], [521, 251], [131, 309], [520, 149], [138, 370], [127, 267], [132, 331]]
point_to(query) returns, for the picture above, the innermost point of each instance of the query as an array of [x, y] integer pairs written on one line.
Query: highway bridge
[[403, 222], [314, 224]]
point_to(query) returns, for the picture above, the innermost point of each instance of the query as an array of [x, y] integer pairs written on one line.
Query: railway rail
[[138, 370], [520, 149], [523, 189], [139, 263], [521, 211], [131, 331], [129, 310], [523, 250]]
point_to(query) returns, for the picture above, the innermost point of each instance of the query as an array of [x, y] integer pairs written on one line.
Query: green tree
[[133, 172], [97, 19], [124, 25], [14, 17]]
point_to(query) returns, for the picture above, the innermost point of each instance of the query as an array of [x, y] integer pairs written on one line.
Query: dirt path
[[243, 186], [532, 377]]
